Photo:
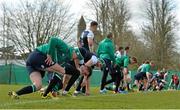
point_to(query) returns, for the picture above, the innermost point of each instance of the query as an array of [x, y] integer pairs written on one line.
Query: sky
[[136, 8], [79, 7]]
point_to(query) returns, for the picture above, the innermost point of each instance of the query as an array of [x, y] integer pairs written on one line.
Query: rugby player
[[87, 37], [117, 75], [174, 83], [105, 51], [143, 75], [45, 58], [87, 60], [87, 42]]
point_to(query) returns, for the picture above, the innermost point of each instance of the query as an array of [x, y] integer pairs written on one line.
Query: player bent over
[[144, 75], [72, 73], [117, 75], [42, 59]]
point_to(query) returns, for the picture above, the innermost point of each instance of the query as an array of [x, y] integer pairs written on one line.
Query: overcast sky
[[79, 7], [136, 8]]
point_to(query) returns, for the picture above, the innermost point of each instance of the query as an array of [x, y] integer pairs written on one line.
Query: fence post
[[10, 73]]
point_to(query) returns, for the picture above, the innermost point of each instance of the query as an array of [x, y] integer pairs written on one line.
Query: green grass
[[148, 100]]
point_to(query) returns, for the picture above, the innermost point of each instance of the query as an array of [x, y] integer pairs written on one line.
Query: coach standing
[[105, 51]]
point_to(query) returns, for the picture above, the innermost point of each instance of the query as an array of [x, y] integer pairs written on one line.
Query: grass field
[[146, 100]]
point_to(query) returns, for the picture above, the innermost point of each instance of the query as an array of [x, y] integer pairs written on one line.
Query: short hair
[[109, 35], [127, 48], [134, 59], [120, 48], [147, 62], [93, 23], [151, 62]]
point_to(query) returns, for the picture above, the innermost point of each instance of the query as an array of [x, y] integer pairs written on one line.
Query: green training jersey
[[145, 68], [122, 61], [106, 50], [57, 49]]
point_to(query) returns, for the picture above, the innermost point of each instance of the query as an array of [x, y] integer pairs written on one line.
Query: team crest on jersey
[[42, 66]]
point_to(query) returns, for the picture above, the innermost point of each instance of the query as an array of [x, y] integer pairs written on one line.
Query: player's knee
[[38, 86]]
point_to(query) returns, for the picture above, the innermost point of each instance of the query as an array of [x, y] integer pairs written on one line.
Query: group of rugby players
[[145, 80], [66, 65]]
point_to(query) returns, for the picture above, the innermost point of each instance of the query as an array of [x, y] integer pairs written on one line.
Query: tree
[[30, 24], [159, 30], [7, 50], [112, 16], [119, 16]]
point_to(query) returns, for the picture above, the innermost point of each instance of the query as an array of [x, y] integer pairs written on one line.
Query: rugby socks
[[117, 84], [128, 86], [52, 84], [26, 90], [79, 88], [83, 90], [72, 81], [104, 77], [79, 85]]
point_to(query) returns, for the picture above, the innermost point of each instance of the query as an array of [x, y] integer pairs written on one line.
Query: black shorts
[[36, 62], [70, 69], [140, 76]]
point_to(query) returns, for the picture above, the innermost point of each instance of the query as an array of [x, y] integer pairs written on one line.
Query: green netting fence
[[15, 74]]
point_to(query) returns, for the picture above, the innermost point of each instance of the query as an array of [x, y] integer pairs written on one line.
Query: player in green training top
[[120, 64], [46, 58], [143, 75], [105, 52]]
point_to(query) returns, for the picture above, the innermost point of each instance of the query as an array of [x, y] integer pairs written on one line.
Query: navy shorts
[[70, 69], [36, 62], [140, 76]]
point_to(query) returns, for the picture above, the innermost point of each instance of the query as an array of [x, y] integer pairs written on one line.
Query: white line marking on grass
[[6, 105]]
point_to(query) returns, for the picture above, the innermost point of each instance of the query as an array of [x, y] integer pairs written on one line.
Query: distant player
[[144, 75], [174, 83], [126, 77], [159, 80], [117, 75], [140, 67], [120, 52]]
